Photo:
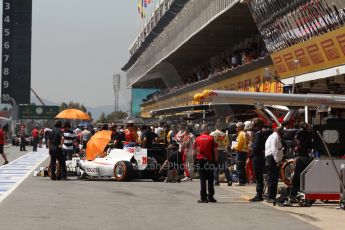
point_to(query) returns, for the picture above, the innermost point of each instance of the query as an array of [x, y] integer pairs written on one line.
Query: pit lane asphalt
[[39, 203]]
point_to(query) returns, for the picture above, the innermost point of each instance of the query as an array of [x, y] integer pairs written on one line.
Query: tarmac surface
[[39, 203]]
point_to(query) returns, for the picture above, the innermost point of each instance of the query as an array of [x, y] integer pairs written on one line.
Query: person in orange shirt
[[241, 149]]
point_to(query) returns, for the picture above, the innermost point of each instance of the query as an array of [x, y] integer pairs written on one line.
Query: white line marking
[[19, 174]]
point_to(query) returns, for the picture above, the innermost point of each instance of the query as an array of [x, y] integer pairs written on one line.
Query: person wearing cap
[[205, 150], [274, 157], [241, 149]]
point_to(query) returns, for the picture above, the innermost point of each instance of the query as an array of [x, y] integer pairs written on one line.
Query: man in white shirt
[[160, 133], [85, 136], [274, 156]]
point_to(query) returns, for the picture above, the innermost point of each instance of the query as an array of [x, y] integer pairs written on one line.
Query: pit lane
[[39, 203]]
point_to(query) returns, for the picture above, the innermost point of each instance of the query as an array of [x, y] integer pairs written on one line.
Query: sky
[[77, 47]]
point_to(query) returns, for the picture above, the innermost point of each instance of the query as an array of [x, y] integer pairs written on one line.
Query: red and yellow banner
[[319, 53], [259, 80]]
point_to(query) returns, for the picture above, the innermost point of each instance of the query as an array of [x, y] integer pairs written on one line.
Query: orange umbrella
[[73, 114], [97, 143]]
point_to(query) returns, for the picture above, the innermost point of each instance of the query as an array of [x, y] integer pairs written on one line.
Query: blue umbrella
[[84, 123]]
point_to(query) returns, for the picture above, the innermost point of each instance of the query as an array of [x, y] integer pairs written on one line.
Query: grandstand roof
[[225, 31]]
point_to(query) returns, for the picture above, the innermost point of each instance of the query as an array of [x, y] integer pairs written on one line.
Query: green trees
[[72, 105], [112, 117]]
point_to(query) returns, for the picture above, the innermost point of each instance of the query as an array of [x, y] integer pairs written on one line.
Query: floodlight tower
[[116, 86]]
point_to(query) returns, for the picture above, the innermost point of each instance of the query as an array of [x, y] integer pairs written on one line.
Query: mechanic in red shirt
[[2, 143], [35, 138], [205, 150], [131, 135]]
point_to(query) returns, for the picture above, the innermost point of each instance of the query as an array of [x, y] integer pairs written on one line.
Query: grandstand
[[248, 45]]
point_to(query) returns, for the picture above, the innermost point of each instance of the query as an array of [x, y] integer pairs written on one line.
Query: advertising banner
[[320, 53], [37, 112], [259, 80]]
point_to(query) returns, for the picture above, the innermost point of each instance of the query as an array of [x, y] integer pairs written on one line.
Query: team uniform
[[205, 149], [222, 141]]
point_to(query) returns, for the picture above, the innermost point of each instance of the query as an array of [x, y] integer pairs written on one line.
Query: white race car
[[120, 164]]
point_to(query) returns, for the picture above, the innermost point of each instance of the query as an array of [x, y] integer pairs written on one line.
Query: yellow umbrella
[[73, 114], [97, 143]]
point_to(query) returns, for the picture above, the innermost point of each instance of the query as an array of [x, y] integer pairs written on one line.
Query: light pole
[[116, 87], [294, 75]]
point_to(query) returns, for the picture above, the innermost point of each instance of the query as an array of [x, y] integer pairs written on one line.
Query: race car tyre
[[158, 178], [123, 171], [80, 174], [309, 202], [286, 172], [57, 171]]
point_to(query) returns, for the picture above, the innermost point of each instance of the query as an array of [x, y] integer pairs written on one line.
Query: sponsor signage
[[141, 156], [320, 53], [37, 112], [259, 80]]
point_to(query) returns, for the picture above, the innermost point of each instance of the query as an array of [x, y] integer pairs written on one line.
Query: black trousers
[[206, 174], [57, 154], [241, 158], [222, 166], [68, 153], [46, 140], [301, 162], [35, 142], [22, 144], [273, 175], [259, 165], [85, 143]]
